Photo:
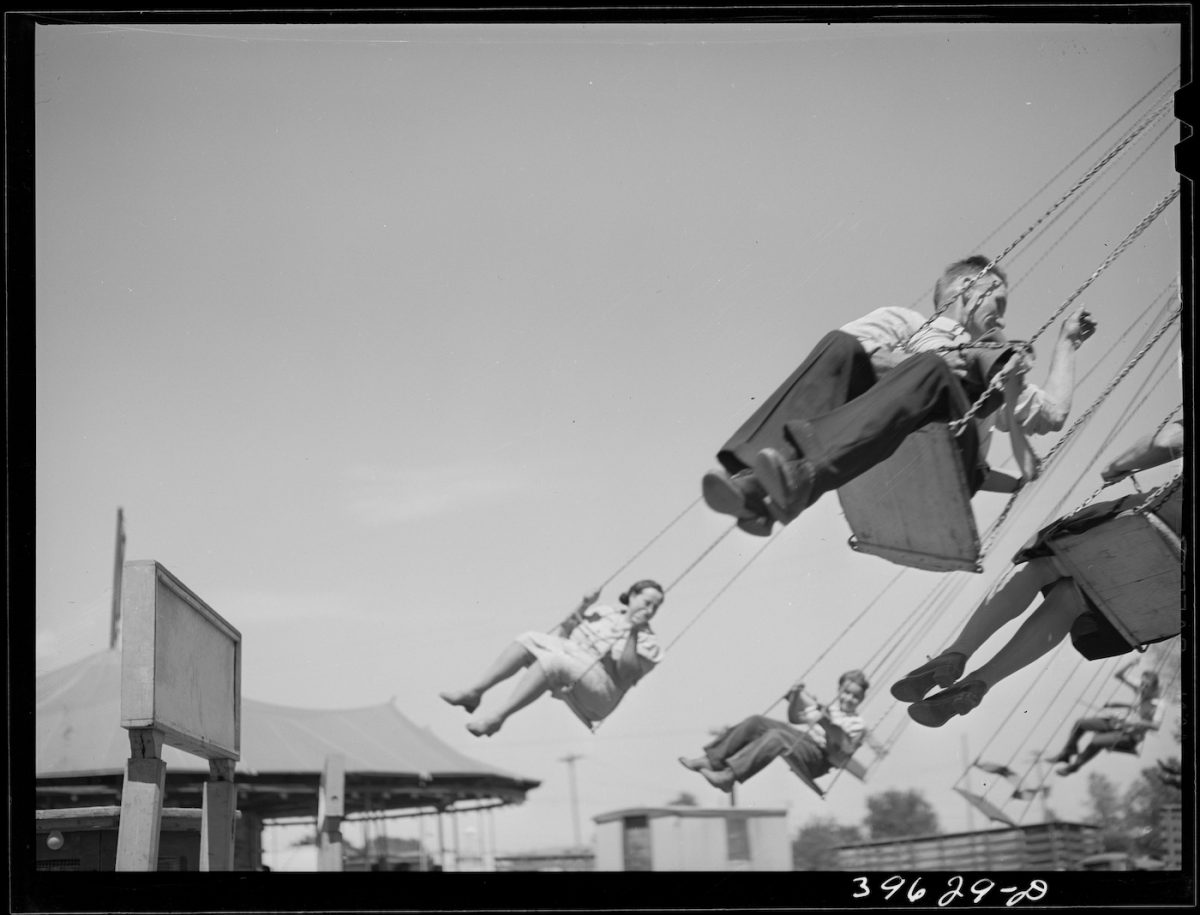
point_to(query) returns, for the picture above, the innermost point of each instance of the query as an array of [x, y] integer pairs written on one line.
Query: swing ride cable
[[1100, 671], [651, 543], [1086, 689], [993, 532], [1099, 198], [927, 612], [930, 602], [1091, 462], [1120, 376], [998, 379], [917, 299], [1080, 154], [1120, 146], [594, 726], [1095, 169], [1159, 665], [1038, 720], [723, 589]]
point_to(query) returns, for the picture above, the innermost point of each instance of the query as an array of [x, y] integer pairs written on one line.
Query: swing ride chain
[[1117, 379], [993, 530], [1129, 239], [1108, 157], [998, 380], [1160, 495]]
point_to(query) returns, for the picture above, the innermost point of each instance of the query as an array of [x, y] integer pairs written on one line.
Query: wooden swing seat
[[1131, 569], [914, 509], [986, 807]]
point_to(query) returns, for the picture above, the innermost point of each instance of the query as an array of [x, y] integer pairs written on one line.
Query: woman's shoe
[[941, 707], [943, 671]]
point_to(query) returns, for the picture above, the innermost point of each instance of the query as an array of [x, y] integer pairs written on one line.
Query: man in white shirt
[[822, 738], [866, 386]]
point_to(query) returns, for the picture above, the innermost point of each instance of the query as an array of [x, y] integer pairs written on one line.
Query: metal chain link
[[1117, 379], [1158, 496], [1117, 252], [998, 380], [1135, 132]]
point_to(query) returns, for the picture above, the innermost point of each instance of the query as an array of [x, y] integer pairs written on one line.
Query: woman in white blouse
[[589, 661]]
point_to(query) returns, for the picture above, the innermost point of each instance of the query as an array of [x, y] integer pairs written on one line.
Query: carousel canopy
[[386, 756]]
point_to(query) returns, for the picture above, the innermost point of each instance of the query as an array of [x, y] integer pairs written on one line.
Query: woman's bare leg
[[1005, 605], [512, 659], [528, 688], [1046, 627]]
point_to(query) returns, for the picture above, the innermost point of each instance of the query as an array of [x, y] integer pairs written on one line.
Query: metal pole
[[569, 759], [118, 567]]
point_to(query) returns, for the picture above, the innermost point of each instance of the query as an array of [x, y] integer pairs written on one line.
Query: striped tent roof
[[78, 733]]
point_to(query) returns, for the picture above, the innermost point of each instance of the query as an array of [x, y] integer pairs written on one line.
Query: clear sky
[[392, 341]]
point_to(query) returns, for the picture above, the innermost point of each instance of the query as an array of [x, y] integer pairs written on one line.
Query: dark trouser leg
[[1082, 726], [854, 437], [836, 371], [749, 745]]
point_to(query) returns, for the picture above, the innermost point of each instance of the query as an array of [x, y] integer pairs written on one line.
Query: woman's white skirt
[[575, 674]]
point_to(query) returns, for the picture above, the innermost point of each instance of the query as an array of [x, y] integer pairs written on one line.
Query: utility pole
[[118, 567], [569, 759]]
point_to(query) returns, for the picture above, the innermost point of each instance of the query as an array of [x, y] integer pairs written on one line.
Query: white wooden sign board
[[181, 664]]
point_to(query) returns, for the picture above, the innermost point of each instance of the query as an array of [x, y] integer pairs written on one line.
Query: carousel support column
[[441, 833], [331, 809], [218, 816]]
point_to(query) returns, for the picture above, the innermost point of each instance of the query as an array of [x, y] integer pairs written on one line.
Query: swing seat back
[[1131, 569], [1119, 742], [852, 765], [986, 807], [799, 772], [914, 509]]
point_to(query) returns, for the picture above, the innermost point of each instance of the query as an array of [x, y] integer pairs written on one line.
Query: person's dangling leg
[[530, 687], [1007, 603], [512, 659], [1106, 735], [836, 371], [740, 751], [1071, 747], [1046, 627], [1085, 756], [837, 446]]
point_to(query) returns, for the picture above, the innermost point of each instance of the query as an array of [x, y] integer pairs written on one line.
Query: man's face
[[987, 302]]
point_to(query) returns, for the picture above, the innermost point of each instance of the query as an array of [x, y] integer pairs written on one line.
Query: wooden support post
[[330, 810], [217, 819], [141, 802]]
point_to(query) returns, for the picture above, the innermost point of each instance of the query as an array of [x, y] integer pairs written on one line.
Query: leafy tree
[[895, 813], [1105, 810], [685, 799], [1143, 805], [815, 845]]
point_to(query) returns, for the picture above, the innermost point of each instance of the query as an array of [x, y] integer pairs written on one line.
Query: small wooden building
[[693, 839]]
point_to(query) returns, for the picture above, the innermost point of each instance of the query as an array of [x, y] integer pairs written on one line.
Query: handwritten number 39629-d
[[1035, 892]]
